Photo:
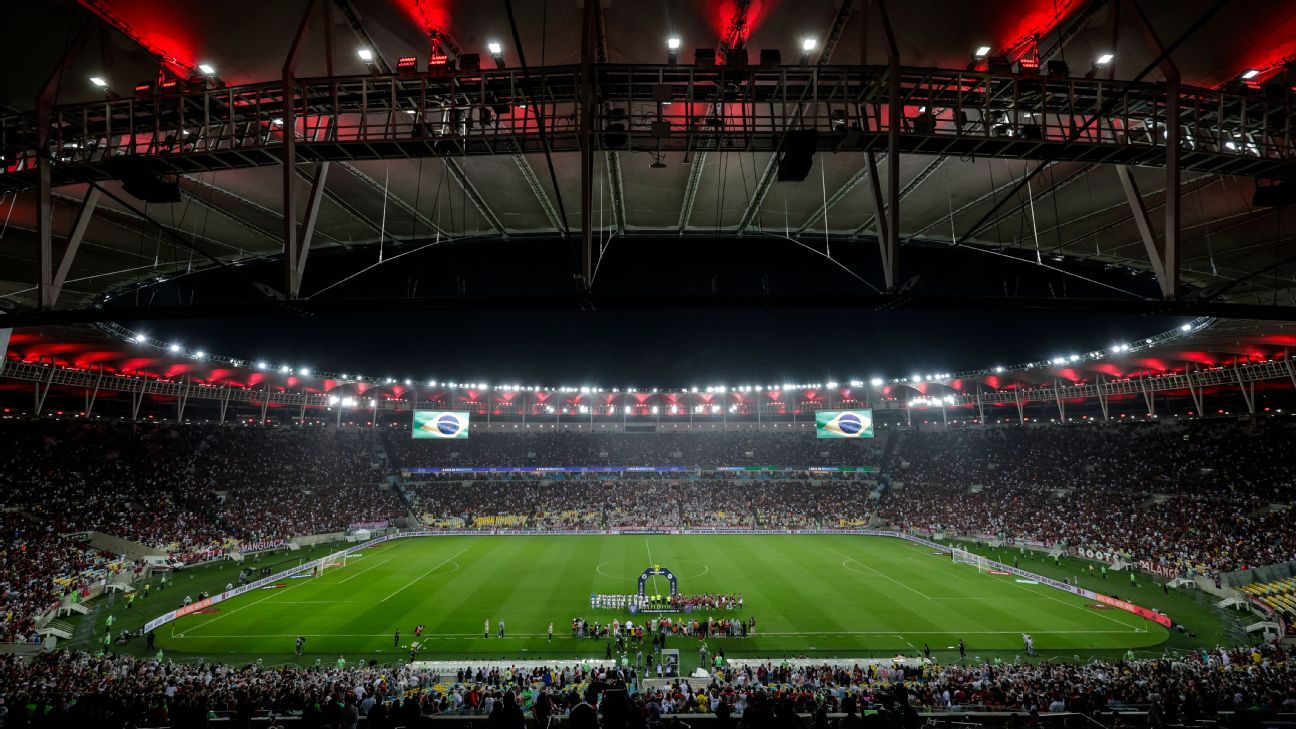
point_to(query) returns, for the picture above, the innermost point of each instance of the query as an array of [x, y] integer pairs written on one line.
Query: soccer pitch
[[826, 595]]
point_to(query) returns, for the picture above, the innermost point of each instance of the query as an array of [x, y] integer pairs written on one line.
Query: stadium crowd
[[640, 502], [1184, 496], [78, 689]]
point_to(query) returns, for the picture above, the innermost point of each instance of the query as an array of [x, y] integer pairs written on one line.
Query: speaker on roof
[[142, 182], [798, 155]]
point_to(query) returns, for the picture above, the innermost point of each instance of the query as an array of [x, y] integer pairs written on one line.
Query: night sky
[[663, 347]]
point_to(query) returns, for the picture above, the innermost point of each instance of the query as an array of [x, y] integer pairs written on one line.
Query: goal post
[[332, 562], [962, 556]]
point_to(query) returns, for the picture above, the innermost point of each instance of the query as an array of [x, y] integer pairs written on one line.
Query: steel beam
[[538, 191], [396, 200], [288, 152], [230, 216], [586, 252], [51, 289], [307, 231], [616, 188], [1173, 176], [1155, 249], [690, 190], [475, 197], [835, 32], [895, 109]]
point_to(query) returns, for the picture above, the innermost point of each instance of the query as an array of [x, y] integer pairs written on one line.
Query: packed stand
[[1176, 498], [539, 502], [62, 688], [193, 490]]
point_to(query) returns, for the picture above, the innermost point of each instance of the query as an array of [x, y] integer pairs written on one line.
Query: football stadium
[[721, 364]]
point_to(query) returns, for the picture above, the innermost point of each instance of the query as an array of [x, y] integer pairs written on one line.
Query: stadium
[[648, 365]]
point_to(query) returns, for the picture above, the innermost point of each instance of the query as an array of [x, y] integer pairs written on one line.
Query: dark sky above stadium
[[659, 348], [669, 346]]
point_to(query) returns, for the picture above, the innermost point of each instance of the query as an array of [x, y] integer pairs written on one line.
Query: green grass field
[[829, 595]]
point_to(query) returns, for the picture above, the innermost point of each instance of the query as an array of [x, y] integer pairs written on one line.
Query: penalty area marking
[[366, 569], [876, 572], [444, 562]]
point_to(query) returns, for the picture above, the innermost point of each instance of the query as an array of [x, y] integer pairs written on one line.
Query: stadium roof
[[976, 197]]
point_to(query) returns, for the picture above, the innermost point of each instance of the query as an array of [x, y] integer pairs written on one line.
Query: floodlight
[[495, 48], [1249, 74], [366, 55], [808, 44], [1186, 328], [99, 82], [285, 369], [876, 382], [981, 52], [305, 372], [673, 43], [174, 348], [999, 369], [261, 365], [140, 338], [206, 68], [199, 354], [1104, 59]]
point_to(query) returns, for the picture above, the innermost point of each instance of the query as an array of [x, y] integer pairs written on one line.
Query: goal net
[[962, 556], [331, 562]]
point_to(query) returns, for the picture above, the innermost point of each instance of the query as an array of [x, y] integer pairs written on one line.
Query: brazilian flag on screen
[[844, 424], [440, 424]]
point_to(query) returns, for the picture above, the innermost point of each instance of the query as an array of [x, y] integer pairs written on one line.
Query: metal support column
[[137, 399], [980, 401], [5, 335], [182, 400], [1247, 388], [1021, 407], [1102, 399], [1057, 395], [1149, 397], [92, 395], [1195, 390], [43, 389], [292, 248], [51, 289], [895, 109], [586, 267], [224, 404], [44, 192], [1287, 362], [265, 401]]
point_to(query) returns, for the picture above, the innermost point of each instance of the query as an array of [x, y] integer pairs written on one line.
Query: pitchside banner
[[440, 424], [844, 424]]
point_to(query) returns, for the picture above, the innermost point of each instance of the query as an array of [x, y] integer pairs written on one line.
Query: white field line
[[425, 574], [879, 574], [891, 634], [650, 564], [273, 593], [1047, 589], [366, 569]]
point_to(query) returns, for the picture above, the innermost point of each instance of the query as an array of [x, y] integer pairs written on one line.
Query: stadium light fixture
[[808, 44], [999, 368], [876, 382], [1249, 74], [366, 55], [261, 365], [1074, 357], [174, 348], [673, 43], [408, 382], [285, 369], [207, 69], [1186, 328], [305, 372], [140, 338], [1104, 59], [495, 48], [99, 82], [981, 52]]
